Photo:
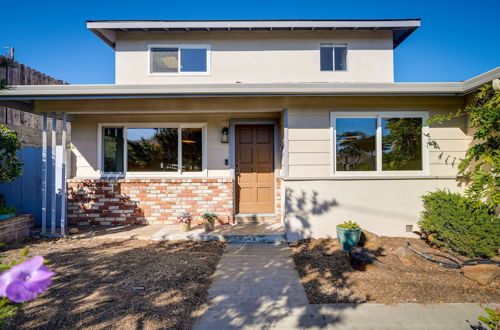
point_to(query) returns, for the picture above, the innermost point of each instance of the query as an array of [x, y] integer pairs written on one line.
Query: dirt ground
[[120, 284], [331, 279]]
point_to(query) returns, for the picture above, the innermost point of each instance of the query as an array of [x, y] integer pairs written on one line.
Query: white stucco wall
[[384, 207], [261, 56]]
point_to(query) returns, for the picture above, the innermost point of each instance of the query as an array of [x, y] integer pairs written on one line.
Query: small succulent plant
[[349, 225], [209, 217]]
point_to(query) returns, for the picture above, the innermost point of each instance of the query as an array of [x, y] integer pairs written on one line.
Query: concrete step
[[251, 233], [255, 218], [254, 239]]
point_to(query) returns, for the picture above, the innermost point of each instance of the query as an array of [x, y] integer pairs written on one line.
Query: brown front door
[[254, 169]]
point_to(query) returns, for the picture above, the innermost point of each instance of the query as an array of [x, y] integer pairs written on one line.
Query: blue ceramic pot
[[6, 216], [348, 238]]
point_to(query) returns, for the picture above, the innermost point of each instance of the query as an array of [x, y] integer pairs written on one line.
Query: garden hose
[[453, 262]]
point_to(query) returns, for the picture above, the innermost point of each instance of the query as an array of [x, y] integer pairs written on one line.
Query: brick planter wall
[[16, 228], [146, 201]]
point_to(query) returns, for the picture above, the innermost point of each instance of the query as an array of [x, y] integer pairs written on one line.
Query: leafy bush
[[7, 210], [10, 165], [349, 225], [460, 224], [481, 165], [492, 321]]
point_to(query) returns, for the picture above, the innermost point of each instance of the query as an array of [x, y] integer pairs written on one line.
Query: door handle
[[237, 170]]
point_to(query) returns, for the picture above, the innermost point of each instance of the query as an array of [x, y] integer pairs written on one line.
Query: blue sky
[[458, 39]]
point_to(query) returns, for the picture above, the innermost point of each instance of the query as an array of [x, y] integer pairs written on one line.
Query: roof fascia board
[[473, 83], [250, 24], [105, 30], [33, 92]]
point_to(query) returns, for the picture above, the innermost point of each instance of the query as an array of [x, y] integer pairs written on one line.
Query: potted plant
[[209, 221], [185, 219], [348, 234], [7, 212]]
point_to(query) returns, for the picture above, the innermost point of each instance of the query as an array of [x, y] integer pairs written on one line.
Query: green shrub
[[460, 224]]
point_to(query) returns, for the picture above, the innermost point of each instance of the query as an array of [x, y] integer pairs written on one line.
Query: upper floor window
[[333, 57], [179, 59]]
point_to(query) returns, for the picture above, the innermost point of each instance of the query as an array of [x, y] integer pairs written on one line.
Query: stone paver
[[257, 287]]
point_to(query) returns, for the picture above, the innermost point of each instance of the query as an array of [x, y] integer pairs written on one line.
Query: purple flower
[[25, 281]]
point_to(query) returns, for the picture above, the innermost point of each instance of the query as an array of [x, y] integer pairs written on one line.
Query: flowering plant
[[185, 217], [22, 281]]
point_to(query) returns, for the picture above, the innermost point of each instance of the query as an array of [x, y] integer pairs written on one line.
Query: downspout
[[285, 143]]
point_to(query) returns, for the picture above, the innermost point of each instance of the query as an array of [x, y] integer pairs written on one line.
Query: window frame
[[333, 55], [179, 47], [127, 174], [378, 115]]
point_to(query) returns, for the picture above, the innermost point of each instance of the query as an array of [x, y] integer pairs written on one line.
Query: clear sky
[[457, 40]]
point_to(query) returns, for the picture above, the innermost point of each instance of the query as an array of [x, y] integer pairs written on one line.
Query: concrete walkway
[[257, 287]]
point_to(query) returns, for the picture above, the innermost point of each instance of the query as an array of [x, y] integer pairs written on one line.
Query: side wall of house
[[260, 56], [315, 202]]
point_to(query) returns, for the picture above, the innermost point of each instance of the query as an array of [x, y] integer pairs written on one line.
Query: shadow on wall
[[301, 209], [96, 203]]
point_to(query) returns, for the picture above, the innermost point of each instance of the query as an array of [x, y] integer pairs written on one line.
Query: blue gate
[[25, 193]]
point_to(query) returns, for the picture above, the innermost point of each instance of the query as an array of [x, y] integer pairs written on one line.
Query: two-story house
[[291, 121]]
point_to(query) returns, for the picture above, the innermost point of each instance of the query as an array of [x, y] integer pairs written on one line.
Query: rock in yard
[[74, 230], [483, 274], [370, 241], [361, 258], [405, 255]]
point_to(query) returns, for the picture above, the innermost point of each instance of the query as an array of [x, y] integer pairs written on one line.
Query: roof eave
[[105, 30]]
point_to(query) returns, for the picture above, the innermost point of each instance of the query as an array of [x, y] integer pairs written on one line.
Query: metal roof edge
[[34, 92], [473, 83], [100, 27]]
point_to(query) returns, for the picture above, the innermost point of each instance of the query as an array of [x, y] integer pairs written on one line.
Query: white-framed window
[[145, 149], [179, 59], [379, 143], [333, 56]]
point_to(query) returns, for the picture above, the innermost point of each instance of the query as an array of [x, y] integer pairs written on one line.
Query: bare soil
[[328, 277], [120, 284]]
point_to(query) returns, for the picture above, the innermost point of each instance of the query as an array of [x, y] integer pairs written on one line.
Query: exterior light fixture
[[496, 84], [224, 135]]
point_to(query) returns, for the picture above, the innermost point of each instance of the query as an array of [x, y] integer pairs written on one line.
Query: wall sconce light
[[224, 135]]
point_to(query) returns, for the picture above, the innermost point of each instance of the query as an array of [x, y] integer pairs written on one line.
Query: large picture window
[[385, 142], [183, 59], [174, 149]]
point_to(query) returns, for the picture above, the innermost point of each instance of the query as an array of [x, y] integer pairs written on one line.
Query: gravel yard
[[120, 284], [328, 277]]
